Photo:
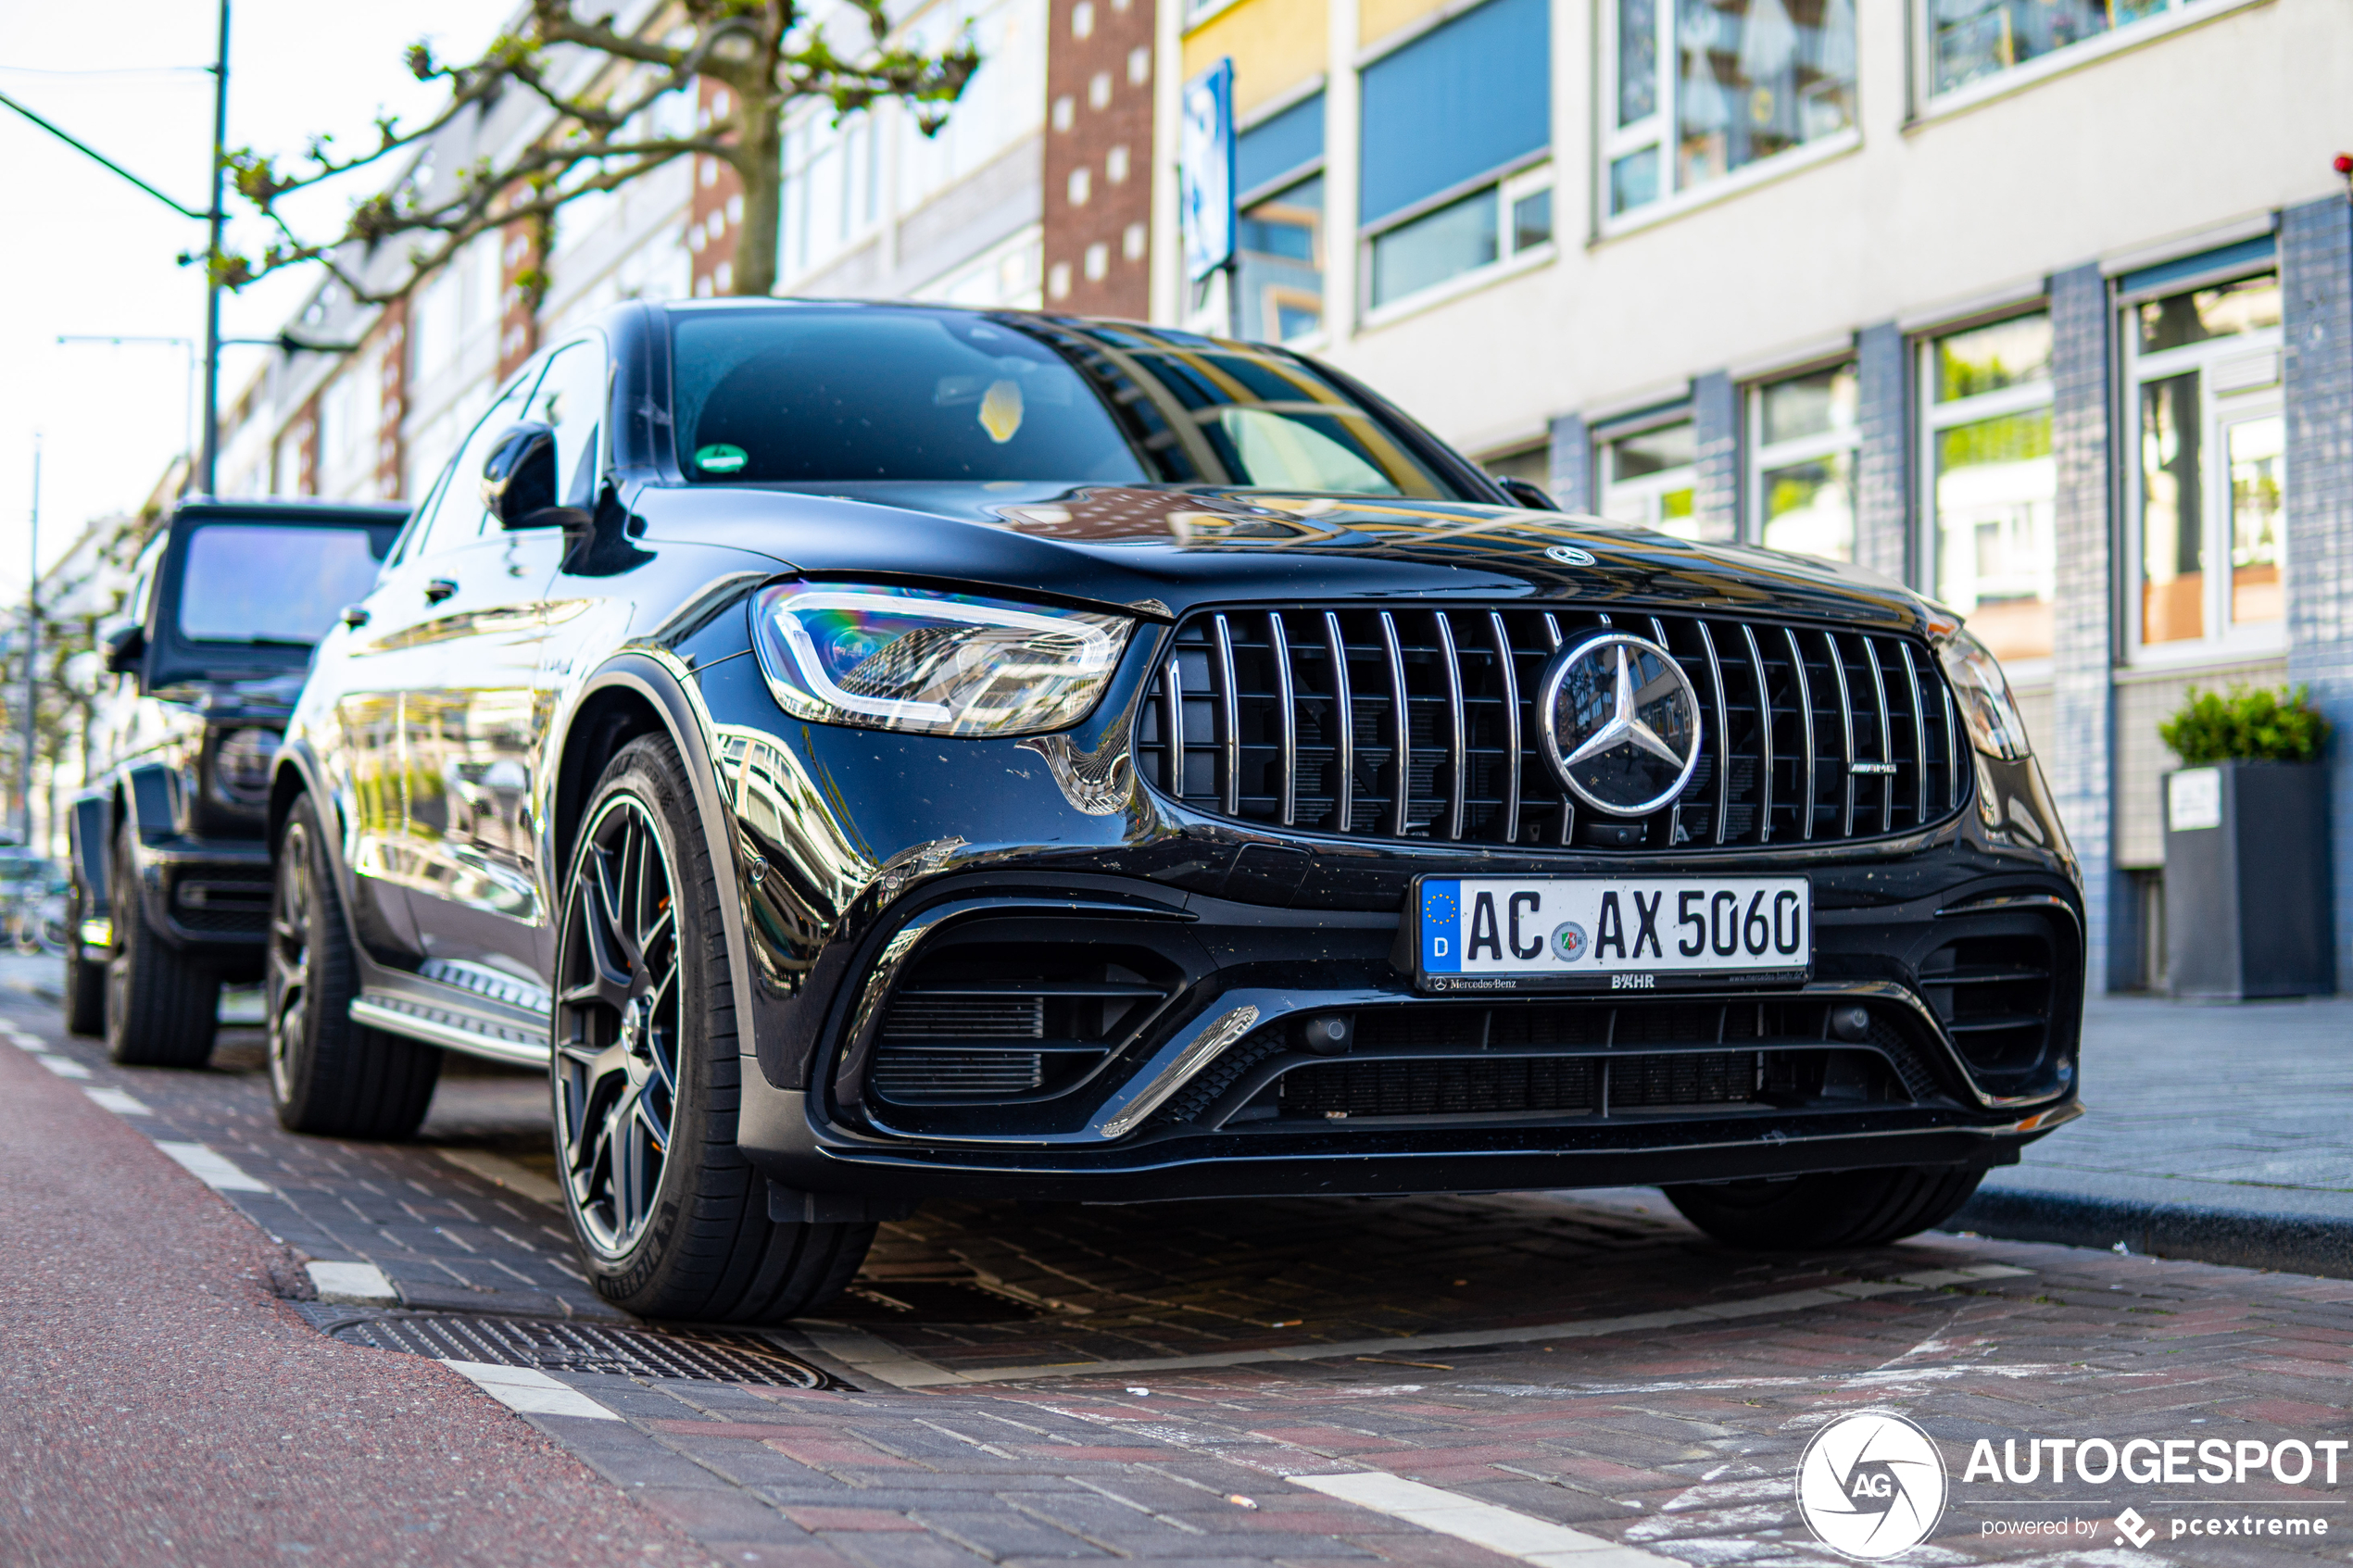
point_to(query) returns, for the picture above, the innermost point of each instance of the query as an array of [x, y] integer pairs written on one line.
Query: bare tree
[[768, 55]]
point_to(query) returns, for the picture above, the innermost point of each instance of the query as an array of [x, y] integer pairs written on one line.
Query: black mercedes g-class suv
[[171, 854]]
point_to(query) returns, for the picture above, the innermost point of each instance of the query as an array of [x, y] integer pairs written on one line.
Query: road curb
[[2293, 1230]]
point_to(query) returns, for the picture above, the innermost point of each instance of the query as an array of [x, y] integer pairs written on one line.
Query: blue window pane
[[255, 583], [1273, 148], [1460, 100], [1633, 180], [1434, 248]]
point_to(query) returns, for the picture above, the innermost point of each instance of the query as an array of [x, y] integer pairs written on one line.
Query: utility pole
[[207, 474], [32, 642]]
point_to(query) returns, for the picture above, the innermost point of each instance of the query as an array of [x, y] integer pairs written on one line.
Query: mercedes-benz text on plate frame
[[1621, 934]]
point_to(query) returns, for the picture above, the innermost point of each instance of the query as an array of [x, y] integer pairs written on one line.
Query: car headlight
[[1995, 728], [240, 766], [943, 664]]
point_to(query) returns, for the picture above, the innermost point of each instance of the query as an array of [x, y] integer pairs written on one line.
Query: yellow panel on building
[[1274, 45], [1376, 19]]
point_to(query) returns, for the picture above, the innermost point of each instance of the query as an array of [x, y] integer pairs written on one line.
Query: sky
[[90, 254]]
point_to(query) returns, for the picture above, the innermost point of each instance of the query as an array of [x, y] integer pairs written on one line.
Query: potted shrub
[[2247, 847]]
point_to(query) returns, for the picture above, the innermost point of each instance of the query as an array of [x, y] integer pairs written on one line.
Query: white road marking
[[361, 1283], [119, 1102], [64, 1067], [529, 1391], [211, 1169], [891, 1365], [1504, 1530], [519, 1179]]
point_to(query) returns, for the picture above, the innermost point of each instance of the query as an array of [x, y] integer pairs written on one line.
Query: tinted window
[[256, 584], [458, 514], [841, 396]]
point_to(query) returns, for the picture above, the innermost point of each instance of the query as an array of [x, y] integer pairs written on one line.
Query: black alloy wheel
[[644, 1075], [329, 1075], [162, 1006]]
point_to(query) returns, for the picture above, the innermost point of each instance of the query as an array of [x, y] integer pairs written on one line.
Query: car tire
[[1827, 1211], [645, 1077], [86, 988], [162, 1006], [329, 1075]]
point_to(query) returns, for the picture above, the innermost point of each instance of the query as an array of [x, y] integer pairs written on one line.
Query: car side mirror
[[1527, 494], [126, 650], [519, 480]]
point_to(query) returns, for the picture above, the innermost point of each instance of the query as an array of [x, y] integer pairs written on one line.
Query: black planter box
[[2246, 880]]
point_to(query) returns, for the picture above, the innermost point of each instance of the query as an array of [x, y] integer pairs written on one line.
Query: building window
[[1435, 247], [1279, 241], [1650, 479], [1969, 40], [1455, 127], [2207, 498], [1802, 439], [1994, 484], [1701, 89]]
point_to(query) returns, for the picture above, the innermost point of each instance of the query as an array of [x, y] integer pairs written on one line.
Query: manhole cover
[[571, 1347], [923, 1300]]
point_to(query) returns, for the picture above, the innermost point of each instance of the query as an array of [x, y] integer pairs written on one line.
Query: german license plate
[[1610, 933]]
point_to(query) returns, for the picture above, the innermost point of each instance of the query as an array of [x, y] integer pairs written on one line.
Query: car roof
[[304, 509]]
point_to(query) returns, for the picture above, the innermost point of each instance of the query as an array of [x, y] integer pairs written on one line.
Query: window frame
[[1756, 456], [1613, 141], [1513, 183], [2223, 641], [1936, 418], [1930, 104], [1652, 489]]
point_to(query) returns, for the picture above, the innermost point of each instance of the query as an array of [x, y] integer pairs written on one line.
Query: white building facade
[[2041, 305]]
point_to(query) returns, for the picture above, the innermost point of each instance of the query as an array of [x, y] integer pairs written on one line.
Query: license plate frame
[[1662, 967]]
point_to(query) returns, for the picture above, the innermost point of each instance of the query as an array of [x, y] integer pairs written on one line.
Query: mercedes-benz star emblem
[[1621, 722], [1569, 555]]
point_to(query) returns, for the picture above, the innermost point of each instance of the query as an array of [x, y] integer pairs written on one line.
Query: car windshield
[[818, 395], [272, 586], [813, 395]]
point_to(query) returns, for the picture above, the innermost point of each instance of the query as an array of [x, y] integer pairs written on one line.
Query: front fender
[[661, 680]]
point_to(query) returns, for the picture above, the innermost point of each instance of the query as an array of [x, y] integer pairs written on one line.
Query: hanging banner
[[1205, 170]]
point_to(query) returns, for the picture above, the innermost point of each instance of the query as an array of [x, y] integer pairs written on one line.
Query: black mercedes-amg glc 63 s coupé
[[871, 751]]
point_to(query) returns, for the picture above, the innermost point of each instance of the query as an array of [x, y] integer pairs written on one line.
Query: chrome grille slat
[[1806, 714], [1287, 704], [1886, 737], [1248, 719], [1343, 728], [1400, 732], [1504, 662], [1919, 732], [1228, 719], [1450, 671]]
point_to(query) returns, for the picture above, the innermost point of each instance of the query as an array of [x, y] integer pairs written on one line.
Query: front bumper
[[872, 866]]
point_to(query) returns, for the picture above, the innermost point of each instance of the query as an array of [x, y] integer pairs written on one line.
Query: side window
[[459, 516], [570, 400]]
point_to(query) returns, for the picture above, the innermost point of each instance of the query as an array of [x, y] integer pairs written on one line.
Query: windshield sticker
[[1000, 410], [720, 459]]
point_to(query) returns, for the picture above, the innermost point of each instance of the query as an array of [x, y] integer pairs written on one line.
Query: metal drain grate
[[571, 1347]]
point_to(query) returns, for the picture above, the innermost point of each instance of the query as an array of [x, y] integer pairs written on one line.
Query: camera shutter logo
[[1871, 1486]]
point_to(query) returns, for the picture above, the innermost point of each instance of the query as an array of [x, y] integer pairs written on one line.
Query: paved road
[[1568, 1381]]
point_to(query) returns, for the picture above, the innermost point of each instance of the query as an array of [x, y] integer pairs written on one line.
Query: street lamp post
[[32, 642], [208, 474]]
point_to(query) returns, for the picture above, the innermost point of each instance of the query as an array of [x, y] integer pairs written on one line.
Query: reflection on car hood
[[1120, 542]]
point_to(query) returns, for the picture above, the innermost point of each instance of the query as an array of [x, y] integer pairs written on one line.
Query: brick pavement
[[1674, 1435]]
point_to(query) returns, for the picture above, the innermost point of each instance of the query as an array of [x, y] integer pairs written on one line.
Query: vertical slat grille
[[1422, 724]]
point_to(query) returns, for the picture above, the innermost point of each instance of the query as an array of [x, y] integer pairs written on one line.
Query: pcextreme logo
[[1870, 1486]]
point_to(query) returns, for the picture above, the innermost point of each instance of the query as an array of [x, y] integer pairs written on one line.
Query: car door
[[437, 712]]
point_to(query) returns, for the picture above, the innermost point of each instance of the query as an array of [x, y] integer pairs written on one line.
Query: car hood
[[1177, 547]]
